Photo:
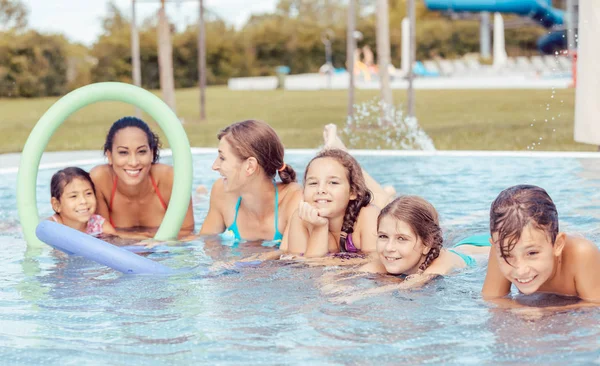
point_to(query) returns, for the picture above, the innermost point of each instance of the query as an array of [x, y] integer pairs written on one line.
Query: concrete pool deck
[[9, 163]]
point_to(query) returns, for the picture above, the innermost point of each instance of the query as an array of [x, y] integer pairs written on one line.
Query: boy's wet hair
[[357, 184], [422, 218], [61, 178], [252, 138], [519, 206], [153, 141]]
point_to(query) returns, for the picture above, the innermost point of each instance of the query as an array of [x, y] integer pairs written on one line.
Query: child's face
[[229, 166], [530, 262], [399, 249], [131, 157], [77, 202], [327, 187]]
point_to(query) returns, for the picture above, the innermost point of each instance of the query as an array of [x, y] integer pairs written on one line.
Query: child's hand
[[310, 214]]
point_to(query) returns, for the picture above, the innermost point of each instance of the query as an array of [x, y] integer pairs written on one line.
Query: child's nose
[[322, 188], [389, 246]]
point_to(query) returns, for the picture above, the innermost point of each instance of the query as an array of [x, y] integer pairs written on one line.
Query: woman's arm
[[188, 222], [214, 223]]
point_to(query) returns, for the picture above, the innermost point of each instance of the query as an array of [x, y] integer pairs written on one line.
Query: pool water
[[56, 309]]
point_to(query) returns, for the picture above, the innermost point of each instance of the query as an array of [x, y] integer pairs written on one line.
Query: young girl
[[74, 202], [335, 214], [410, 243], [530, 253]]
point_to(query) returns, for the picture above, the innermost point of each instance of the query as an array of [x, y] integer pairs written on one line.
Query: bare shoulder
[[367, 218], [218, 196], [162, 171], [100, 171], [290, 191], [580, 249], [292, 194], [101, 176], [369, 211]]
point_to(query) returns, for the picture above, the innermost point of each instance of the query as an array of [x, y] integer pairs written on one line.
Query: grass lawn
[[454, 119]]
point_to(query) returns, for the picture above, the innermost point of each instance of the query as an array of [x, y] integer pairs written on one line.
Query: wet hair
[[357, 186], [422, 218], [61, 178], [519, 206], [257, 139], [125, 122]]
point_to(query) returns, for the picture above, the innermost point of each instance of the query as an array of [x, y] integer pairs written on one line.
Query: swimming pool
[[65, 310]]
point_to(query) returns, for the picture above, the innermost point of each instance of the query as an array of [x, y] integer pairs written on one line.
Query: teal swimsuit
[[482, 240], [234, 229]]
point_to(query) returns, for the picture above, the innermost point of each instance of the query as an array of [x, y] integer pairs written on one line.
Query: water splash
[[378, 126]]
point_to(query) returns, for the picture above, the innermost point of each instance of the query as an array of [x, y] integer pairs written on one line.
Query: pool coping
[[53, 160]]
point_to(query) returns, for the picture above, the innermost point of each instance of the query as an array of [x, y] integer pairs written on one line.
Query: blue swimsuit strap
[[234, 227]]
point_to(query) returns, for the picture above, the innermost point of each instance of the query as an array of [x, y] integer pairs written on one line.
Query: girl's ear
[[426, 249], [559, 244], [55, 204], [353, 195]]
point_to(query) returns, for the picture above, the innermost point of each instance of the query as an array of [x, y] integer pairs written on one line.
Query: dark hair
[[257, 139], [357, 186], [65, 176], [125, 122], [517, 207], [423, 219]]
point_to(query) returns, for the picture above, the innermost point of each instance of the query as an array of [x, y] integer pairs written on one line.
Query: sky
[[81, 20]]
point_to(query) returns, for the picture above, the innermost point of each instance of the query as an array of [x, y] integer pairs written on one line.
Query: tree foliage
[[32, 64]]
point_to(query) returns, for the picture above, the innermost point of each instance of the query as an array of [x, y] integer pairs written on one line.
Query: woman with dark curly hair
[[133, 190]]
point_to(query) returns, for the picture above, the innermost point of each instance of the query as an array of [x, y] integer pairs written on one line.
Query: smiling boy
[[529, 251]]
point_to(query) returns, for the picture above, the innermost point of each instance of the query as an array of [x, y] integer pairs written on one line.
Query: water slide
[[539, 10]]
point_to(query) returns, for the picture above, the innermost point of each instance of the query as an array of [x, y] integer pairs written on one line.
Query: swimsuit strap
[[114, 192], [237, 209], [162, 201]]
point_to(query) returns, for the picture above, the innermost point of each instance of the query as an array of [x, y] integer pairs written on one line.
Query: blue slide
[[538, 10]]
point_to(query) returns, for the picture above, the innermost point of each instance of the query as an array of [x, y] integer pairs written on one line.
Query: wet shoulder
[[102, 176], [218, 195], [289, 192], [578, 249], [162, 172]]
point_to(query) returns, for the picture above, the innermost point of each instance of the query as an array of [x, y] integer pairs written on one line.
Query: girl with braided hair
[[335, 214], [410, 242]]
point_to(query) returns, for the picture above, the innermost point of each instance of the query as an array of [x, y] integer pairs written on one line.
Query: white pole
[[500, 56], [383, 53], [412, 58], [484, 35], [587, 92], [405, 45], [135, 55], [350, 46]]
